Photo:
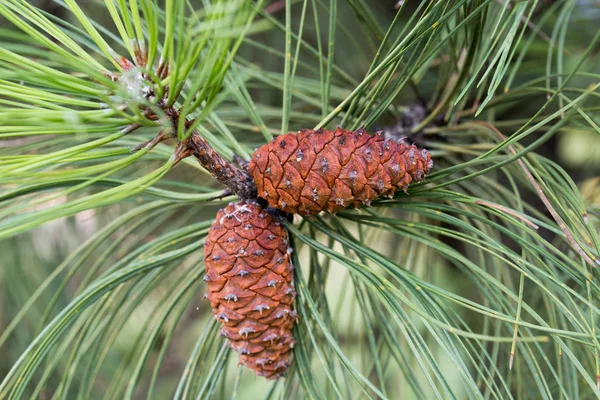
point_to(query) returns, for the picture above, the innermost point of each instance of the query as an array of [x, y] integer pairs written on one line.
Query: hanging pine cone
[[250, 285], [326, 170]]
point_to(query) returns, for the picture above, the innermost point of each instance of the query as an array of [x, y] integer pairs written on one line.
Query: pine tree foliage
[[481, 282]]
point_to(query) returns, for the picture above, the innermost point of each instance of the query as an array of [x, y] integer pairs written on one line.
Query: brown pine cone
[[250, 285], [324, 170]]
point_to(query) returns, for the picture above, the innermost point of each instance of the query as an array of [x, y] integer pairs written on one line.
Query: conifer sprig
[[481, 283]]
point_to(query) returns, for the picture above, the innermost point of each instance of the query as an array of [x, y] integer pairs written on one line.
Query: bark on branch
[[237, 180]]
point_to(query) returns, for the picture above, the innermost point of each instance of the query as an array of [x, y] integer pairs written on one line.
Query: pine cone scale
[[304, 159], [287, 145]]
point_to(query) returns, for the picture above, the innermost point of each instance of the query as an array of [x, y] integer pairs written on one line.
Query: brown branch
[[237, 180]]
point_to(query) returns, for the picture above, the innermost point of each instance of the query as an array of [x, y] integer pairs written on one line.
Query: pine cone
[[326, 170], [250, 285]]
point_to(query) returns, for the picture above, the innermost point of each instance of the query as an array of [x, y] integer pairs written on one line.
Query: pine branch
[[237, 181]]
